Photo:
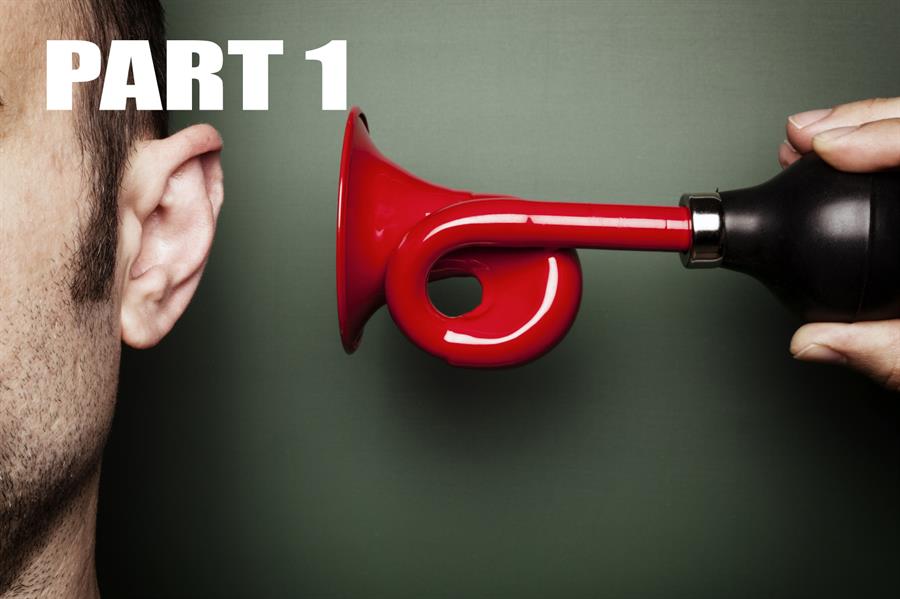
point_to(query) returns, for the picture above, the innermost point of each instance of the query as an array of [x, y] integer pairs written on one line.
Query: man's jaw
[[54, 556]]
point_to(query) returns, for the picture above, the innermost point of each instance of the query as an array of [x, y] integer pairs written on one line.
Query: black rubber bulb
[[826, 242]]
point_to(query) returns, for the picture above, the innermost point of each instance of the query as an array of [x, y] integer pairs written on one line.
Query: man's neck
[[64, 565]]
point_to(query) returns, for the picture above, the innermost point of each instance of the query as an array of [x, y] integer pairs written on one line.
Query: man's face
[[58, 360]]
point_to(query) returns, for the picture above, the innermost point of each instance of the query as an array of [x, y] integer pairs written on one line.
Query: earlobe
[[172, 196]]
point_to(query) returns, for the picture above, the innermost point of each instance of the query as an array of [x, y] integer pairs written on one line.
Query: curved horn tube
[[529, 298]]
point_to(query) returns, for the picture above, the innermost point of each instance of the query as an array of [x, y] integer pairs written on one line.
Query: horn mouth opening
[[351, 333]]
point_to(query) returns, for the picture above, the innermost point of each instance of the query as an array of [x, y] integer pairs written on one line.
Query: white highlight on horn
[[549, 296]]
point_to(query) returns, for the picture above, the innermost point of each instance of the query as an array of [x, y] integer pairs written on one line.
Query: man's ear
[[170, 201]]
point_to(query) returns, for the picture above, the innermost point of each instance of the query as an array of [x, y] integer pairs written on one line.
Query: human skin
[[59, 358], [860, 136]]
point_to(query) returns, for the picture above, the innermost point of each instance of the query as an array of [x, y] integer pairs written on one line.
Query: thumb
[[871, 147], [870, 347]]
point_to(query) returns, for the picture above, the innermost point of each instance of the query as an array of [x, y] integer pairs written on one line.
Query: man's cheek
[[37, 230]]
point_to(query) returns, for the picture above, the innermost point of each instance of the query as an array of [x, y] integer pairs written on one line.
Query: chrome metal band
[[708, 230]]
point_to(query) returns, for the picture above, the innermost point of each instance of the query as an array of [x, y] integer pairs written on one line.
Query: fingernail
[[790, 146], [815, 352], [805, 119], [833, 134]]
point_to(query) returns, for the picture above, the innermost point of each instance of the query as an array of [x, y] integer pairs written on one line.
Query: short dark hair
[[107, 137]]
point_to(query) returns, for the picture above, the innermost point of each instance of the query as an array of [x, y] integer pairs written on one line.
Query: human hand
[[861, 136]]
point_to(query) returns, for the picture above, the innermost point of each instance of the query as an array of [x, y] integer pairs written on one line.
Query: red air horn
[[396, 233], [826, 242]]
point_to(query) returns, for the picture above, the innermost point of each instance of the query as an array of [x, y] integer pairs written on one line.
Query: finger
[[870, 347], [872, 147], [787, 155], [803, 127]]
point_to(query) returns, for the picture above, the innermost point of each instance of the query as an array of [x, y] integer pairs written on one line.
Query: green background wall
[[669, 447]]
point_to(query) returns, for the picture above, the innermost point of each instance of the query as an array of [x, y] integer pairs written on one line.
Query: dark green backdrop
[[669, 447]]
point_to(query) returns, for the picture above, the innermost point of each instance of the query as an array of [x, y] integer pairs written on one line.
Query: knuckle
[[887, 357], [890, 379], [873, 103]]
